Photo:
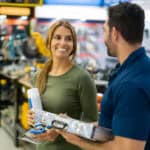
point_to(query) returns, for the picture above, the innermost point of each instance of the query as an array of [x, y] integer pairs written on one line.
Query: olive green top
[[73, 93]]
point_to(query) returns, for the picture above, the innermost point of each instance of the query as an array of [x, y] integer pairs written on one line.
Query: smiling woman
[[62, 43], [63, 85]]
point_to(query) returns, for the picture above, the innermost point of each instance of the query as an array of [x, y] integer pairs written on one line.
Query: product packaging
[[35, 104], [34, 99], [45, 120], [80, 128]]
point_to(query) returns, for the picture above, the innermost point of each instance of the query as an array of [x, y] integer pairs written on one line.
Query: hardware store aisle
[[6, 142]]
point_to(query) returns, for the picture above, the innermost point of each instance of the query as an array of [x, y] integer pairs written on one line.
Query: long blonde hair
[[43, 75]]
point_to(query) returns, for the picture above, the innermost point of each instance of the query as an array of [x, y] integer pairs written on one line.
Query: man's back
[[126, 104]]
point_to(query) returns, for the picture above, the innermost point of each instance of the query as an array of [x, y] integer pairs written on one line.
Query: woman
[[64, 86]]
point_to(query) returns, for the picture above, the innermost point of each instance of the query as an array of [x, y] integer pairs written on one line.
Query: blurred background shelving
[[22, 49]]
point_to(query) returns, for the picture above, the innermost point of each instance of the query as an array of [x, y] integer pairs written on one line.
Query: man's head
[[127, 19]]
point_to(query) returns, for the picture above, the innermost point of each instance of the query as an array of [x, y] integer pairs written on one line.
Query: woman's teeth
[[61, 49]]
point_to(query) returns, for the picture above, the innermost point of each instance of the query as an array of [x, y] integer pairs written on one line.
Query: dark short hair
[[128, 18]]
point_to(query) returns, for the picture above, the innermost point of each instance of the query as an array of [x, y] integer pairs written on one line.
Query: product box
[[80, 128], [34, 99], [45, 120]]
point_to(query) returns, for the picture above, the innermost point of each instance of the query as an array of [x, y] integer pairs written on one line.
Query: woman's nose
[[62, 41]]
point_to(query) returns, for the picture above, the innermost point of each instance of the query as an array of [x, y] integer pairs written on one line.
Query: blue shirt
[[126, 103]]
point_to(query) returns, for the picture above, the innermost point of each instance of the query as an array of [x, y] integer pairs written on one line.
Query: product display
[[45, 120], [80, 128]]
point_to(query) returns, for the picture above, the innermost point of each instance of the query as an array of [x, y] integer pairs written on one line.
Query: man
[[126, 102]]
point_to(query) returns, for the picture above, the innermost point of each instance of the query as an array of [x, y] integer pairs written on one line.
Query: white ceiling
[[144, 3], [83, 13]]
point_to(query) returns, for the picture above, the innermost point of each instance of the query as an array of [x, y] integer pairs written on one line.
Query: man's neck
[[125, 50]]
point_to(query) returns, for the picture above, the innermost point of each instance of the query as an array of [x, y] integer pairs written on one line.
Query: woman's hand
[[71, 138], [30, 118], [49, 135], [74, 139]]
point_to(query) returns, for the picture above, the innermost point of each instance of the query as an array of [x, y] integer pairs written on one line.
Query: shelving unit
[[101, 85], [22, 4], [11, 123], [8, 126], [8, 122]]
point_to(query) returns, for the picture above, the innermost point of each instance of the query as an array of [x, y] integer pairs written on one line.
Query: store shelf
[[8, 128], [20, 4], [101, 82], [5, 103], [101, 85]]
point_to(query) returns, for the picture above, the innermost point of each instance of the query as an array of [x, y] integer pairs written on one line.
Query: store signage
[[73, 2], [15, 11], [84, 2], [111, 2]]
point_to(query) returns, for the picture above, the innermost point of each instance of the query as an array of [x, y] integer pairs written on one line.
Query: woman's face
[[62, 43]]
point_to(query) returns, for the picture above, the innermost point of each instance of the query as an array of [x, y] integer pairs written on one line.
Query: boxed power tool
[[45, 120], [80, 128]]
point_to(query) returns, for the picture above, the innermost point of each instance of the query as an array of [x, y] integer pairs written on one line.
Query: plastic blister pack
[[80, 128], [45, 120], [34, 99]]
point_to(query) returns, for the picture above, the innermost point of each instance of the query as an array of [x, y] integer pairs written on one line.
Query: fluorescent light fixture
[[71, 12], [23, 17], [147, 15], [3, 17]]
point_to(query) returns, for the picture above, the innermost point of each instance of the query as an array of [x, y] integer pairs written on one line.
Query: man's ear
[[115, 33]]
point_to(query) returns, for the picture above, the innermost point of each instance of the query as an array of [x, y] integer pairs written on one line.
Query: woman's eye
[[68, 38], [57, 37]]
